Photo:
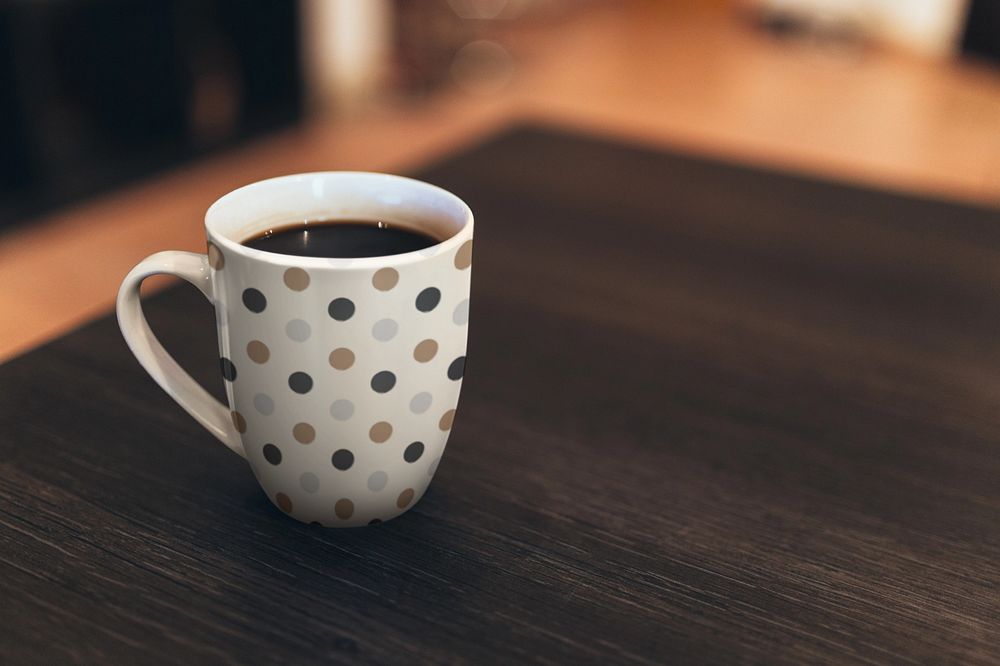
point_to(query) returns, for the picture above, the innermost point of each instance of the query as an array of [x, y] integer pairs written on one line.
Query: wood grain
[[711, 415]]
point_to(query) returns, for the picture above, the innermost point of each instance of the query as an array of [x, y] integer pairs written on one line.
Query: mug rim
[[216, 235]]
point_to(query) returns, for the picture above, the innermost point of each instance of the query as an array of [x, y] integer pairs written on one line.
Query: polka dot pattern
[[342, 409], [343, 460], [382, 382], [380, 432], [460, 315], [421, 402], [341, 309], [343, 379], [298, 330], [385, 279], [456, 370], [228, 369], [341, 358], [405, 498], [258, 352], [385, 330], [413, 452], [300, 382], [215, 257], [263, 403], [463, 258], [344, 508], [296, 279], [254, 300], [272, 454], [309, 482], [378, 481], [428, 299], [425, 351], [304, 433]]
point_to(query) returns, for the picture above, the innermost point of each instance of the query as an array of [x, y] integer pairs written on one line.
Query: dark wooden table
[[711, 414]]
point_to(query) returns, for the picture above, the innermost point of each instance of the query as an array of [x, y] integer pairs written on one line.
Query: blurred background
[[122, 120]]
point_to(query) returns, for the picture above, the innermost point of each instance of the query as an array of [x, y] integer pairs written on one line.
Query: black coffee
[[345, 239]]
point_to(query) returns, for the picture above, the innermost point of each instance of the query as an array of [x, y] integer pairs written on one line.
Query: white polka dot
[[263, 404], [421, 402], [309, 482], [385, 330], [377, 481], [342, 409], [461, 314], [298, 330]]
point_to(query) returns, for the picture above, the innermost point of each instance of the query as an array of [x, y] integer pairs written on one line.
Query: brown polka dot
[[344, 508], [463, 258], [215, 258], [304, 433], [385, 279], [258, 351], [296, 279], [426, 350], [447, 419], [341, 358], [404, 498], [239, 422], [380, 432], [284, 502]]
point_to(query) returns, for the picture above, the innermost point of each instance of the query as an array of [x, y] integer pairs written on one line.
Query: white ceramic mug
[[343, 375]]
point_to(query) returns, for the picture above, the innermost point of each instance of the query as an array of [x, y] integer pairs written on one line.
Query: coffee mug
[[342, 375]]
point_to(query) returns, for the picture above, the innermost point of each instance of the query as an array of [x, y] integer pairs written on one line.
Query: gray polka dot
[[298, 330], [421, 402], [272, 454], [382, 382], [309, 482], [300, 382], [385, 330], [343, 459], [342, 409], [457, 369], [413, 452], [461, 314], [377, 481], [434, 466], [254, 300], [428, 299], [341, 309], [263, 404], [228, 369]]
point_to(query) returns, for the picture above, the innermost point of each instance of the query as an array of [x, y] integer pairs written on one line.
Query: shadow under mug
[[342, 375]]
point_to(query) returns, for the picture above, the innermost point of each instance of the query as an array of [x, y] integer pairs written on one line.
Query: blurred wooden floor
[[695, 80]]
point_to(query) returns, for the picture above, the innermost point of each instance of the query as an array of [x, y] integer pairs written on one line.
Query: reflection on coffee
[[347, 239]]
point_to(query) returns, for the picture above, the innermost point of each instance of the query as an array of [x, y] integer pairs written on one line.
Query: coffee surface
[[346, 239]]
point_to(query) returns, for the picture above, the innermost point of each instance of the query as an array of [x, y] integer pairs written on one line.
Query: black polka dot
[[383, 381], [343, 459], [272, 454], [254, 300], [413, 452], [341, 309], [428, 299], [228, 369], [457, 368], [300, 382]]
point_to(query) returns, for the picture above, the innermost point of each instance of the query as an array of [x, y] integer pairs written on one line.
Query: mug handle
[[205, 409]]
